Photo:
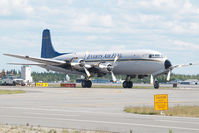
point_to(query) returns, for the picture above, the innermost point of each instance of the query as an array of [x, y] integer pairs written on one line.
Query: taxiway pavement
[[96, 109]]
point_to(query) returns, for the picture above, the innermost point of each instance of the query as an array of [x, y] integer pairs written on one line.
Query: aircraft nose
[[167, 64]]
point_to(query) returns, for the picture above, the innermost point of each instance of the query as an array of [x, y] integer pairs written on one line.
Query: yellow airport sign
[[161, 102], [41, 84]]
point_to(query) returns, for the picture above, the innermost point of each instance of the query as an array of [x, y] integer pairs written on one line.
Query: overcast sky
[[168, 26]]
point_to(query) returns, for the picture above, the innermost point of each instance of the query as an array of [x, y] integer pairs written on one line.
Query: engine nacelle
[[77, 63], [105, 67]]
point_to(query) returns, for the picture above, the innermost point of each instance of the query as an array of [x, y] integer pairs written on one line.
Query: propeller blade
[[151, 80], [87, 72], [113, 65], [112, 74], [67, 78], [169, 75], [113, 77], [116, 58], [86, 54]]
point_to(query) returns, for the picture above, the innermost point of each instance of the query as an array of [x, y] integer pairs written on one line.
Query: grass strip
[[33, 129], [182, 111], [3, 92]]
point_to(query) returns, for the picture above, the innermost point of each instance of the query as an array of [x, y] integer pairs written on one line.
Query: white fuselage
[[137, 62]]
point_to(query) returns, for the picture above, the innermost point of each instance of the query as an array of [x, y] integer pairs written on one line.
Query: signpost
[[161, 102]]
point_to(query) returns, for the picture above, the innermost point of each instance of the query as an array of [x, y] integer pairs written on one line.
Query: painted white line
[[101, 122], [47, 114], [97, 112], [173, 121], [58, 110]]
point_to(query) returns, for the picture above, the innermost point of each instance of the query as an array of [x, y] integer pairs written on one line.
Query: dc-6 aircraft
[[141, 63]]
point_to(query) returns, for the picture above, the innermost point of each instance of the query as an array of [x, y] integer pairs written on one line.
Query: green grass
[[141, 110], [183, 111], [11, 92]]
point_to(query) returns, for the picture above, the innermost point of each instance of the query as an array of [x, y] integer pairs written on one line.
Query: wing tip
[[6, 54]]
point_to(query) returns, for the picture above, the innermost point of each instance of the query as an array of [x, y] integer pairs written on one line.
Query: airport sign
[[161, 102], [41, 84]]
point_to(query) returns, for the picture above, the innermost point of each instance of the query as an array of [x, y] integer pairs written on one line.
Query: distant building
[[26, 74]]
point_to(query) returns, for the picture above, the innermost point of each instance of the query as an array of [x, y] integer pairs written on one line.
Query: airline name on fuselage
[[100, 56]]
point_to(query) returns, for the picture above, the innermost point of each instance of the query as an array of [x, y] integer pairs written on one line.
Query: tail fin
[[47, 50]]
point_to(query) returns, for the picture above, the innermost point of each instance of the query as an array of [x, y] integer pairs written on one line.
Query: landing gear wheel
[[156, 85], [130, 84], [127, 84], [14, 84], [83, 84], [89, 84], [86, 84]]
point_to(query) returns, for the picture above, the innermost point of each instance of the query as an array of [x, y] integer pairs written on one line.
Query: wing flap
[[29, 64]]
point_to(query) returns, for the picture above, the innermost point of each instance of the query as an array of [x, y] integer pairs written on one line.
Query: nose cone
[[167, 64]]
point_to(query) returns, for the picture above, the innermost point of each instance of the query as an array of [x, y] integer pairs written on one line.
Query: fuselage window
[[150, 56]]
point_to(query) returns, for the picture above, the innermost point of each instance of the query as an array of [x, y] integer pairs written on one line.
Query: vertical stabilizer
[[47, 50]]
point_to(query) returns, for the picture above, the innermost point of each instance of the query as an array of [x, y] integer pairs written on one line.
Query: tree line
[[54, 76]]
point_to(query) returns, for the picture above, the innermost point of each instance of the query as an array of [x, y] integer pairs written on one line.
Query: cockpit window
[[155, 56]]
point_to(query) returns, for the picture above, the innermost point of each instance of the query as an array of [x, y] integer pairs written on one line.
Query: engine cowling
[[105, 67], [77, 63]]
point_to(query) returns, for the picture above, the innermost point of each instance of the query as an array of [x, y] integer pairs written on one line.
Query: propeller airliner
[[132, 63]]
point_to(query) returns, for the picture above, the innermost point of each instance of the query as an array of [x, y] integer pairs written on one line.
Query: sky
[[168, 26]]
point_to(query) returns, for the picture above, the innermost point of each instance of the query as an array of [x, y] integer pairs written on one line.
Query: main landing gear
[[86, 83], [128, 83], [156, 84]]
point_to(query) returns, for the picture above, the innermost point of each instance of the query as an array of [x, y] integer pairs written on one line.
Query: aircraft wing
[[183, 65], [173, 67], [41, 61]]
